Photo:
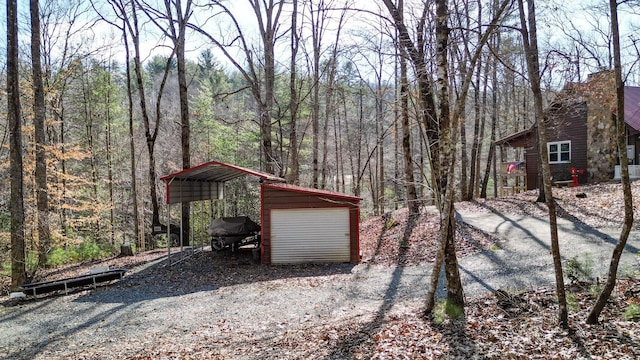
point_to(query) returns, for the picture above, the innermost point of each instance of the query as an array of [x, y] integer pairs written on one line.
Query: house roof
[[310, 191], [631, 117], [516, 139], [632, 106]]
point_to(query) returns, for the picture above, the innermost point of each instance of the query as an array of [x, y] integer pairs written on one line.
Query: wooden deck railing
[[514, 181]]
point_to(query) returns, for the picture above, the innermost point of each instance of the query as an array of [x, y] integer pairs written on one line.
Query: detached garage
[[301, 225]]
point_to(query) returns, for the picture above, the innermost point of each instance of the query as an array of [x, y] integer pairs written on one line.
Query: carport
[[299, 225]]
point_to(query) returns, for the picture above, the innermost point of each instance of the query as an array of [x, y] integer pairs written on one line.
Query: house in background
[[581, 134]]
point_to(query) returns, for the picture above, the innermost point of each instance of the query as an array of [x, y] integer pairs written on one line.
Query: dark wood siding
[[532, 161], [565, 123], [282, 198], [569, 123]]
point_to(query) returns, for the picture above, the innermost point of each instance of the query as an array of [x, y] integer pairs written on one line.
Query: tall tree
[[329, 103], [258, 72], [477, 123], [437, 124], [126, 28], [594, 314], [494, 119], [293, 176], [318, 18], [127, 12], [530, 42], [173, 23], [409, 180], [440, 126], [39, 112], [16, 207]]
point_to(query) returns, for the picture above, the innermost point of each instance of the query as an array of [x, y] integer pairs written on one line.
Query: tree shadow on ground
[[194, 272], [203, 272], [363, 336], [363, 339], [206, 271], [563, 213], [515, 224]]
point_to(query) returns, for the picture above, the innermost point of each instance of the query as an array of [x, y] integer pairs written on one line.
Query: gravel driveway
[[523, 257], [241, 310]]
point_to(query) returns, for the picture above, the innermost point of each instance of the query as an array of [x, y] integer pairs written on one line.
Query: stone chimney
[[602, 154]]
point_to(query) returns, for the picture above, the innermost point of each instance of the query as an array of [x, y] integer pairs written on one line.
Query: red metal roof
[[311, 191], [216, 171], [632, 106], [204, 181]]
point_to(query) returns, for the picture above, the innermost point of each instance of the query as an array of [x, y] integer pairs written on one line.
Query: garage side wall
[[273, 199]]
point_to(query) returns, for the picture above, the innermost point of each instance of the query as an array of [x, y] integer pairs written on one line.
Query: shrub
[[580, 269], [572, 303], [445, 309], [632, 312], [86, 251], [89, 250], [58, 256]]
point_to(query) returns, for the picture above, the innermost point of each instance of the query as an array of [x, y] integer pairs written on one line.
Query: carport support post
[[168, 233], [181, 227], [204, 224]]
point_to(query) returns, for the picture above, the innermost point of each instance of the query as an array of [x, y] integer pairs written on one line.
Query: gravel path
[[242, 309], [523, 257]]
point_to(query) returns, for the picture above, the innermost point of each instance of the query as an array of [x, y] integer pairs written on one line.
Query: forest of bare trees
[[395, 101]]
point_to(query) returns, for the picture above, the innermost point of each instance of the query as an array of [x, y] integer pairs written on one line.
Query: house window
[[559, 152]]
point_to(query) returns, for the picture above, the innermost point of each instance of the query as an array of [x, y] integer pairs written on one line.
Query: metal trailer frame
[[92, 278]]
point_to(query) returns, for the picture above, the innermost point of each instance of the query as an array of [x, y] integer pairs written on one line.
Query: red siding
[[276, 197]]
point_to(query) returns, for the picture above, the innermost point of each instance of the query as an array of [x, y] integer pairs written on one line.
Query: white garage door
[[310, 235]]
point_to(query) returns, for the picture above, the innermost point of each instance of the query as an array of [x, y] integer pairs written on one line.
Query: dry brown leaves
[[526, 328], [598, 206], [508, 326], [391, 239]]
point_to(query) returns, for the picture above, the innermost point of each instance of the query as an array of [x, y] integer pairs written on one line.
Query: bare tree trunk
[[491, 156], [268, 33], [338, 152], [530, 42], [44, 234], [16, 206], [330, 106], [178, 37], [455, 294], [110, 162], [475, 152], [88, 115], [601, 302], [317, 26], [410, 187], [63, 169], [464, 161], [151, 134], [462, 57], [294, 163], [139, 239], [381, 175], [409, 179]]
